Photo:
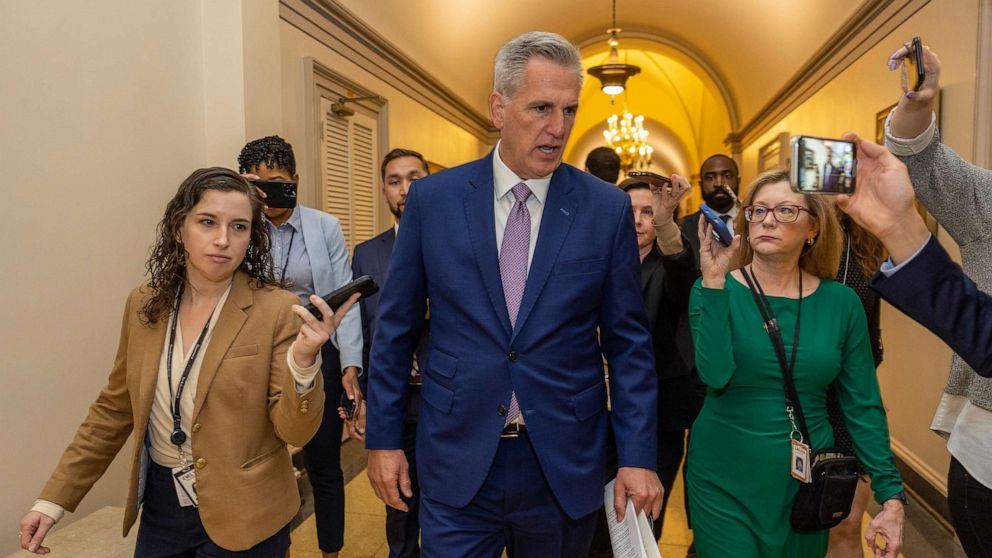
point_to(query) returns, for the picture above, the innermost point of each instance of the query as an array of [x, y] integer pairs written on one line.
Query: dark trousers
[[971, 510], [515, 509], [322, 459], [403, 528], [170, 531]]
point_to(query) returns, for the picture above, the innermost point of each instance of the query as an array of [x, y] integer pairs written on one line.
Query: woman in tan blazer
[[216, 371]]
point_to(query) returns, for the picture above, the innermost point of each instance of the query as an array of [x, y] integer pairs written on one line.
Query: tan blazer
[[246, 409]]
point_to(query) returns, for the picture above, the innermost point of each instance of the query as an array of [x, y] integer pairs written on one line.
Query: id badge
[[799, 465], [185, 479]]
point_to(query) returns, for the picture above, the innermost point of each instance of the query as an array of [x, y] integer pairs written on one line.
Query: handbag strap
[[793, 406]]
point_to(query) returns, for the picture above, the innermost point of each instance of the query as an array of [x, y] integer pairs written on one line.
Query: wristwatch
[[901, 496]]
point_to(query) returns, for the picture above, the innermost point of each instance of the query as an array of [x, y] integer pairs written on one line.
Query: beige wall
[[916, 363]]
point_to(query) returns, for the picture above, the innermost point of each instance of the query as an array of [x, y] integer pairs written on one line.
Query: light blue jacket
[[329, 266]]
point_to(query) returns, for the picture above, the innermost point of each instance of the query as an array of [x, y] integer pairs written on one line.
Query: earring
[[810, 240]]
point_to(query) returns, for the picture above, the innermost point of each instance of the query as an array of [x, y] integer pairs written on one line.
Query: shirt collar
[[505, 179], [294, 221]]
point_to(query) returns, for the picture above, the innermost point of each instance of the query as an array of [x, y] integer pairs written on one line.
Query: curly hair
[[867, 250], [166, 264], [272, 150]]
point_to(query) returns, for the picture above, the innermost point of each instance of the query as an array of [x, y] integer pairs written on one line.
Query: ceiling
[[752, 47]]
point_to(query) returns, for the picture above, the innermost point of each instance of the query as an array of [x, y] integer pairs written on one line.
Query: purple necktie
[[513, 266]]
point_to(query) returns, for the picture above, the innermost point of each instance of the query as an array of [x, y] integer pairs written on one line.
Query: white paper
[[632, 537]]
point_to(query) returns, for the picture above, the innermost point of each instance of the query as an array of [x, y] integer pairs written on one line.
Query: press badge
[[185, 478], [800, 465]]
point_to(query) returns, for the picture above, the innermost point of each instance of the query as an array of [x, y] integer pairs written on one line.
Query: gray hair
[[514, 55]]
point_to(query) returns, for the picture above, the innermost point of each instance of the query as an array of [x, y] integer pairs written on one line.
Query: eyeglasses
[[785, 213]]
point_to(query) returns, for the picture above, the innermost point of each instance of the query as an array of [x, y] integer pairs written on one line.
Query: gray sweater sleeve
[[956, 192]]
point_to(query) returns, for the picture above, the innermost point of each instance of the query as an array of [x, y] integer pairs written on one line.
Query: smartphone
[[913, 65], [278, 193], [348, 405], [721, 231], [364, 286], [651, 178], [823, 166]]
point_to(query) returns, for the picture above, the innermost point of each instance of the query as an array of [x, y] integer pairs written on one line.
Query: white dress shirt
[[504, 180]]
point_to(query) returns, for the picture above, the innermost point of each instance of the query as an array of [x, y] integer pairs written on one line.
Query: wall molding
[[869, 25], [983, 88], [928, 487], [337, 28]]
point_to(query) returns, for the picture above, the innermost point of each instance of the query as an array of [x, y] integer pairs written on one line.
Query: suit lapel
[[560, 208], [152, 338], [385, 251], [481, 218], [232, 317]]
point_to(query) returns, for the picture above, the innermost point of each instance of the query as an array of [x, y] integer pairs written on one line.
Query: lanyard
[[178, 437], [793, 408], [285, 262]]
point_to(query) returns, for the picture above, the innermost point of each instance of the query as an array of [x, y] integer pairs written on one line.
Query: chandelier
[[626, 135], [613, 75]]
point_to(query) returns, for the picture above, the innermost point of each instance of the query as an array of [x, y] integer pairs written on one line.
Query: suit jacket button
[[200, 463], [513, 355], [501, 410], [197, 427]]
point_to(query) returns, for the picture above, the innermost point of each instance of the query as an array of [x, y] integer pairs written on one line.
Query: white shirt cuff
[[51, 509], [906, 147], [889, 269], [304, 377]]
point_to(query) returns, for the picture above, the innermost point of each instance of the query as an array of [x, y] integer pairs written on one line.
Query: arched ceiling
[[755, 45]]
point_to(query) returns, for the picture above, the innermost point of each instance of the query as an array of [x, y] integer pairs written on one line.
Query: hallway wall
[[916, 362]]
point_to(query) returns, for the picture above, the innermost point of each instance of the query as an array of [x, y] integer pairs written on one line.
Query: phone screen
[[824, 166]]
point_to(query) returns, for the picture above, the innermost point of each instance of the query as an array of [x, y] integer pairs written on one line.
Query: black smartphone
[[278, 193], [651, 178], [913, 65], [823, 166], [720, 229], [348, 405], [364, 286]]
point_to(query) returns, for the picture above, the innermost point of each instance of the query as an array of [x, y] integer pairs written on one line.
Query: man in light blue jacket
[[309, 256]]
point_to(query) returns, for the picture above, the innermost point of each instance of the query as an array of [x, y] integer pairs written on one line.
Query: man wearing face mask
[[717, 172]]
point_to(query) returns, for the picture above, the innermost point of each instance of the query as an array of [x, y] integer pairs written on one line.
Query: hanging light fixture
[[627, 136], [613, 75]]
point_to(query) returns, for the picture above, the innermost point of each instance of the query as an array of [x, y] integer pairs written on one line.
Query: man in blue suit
[[919, 278], [533, 275], [400, 167]]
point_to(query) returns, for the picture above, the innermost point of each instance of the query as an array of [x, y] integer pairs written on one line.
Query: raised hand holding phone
[[715, 258]]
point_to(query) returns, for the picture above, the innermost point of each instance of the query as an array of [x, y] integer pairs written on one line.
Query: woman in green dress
[[740, 487]]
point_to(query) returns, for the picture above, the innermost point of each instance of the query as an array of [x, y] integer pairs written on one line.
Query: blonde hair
[[823, 257]]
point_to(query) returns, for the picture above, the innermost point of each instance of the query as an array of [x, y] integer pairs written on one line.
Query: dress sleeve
[[709, 316], [861, 403]]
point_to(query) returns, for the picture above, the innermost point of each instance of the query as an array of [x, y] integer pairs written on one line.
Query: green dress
[[738, 481]]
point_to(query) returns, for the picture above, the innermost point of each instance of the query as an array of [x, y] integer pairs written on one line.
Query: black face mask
[[718, 200]]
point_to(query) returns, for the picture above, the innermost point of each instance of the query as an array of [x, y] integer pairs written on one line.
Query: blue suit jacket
[[934, 291], [585, 275], [372, 258]]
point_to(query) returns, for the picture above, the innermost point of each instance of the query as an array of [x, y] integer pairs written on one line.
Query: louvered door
[[349, 159]]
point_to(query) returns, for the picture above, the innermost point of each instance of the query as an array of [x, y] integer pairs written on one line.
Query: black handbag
[[826, 500]]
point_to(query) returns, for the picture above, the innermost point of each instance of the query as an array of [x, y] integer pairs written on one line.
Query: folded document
[[632, 537]]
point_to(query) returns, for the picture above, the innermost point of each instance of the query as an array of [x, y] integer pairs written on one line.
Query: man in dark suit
[[532, 272], [400, 167], [919, 278], [717, 173], [668, 271]]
